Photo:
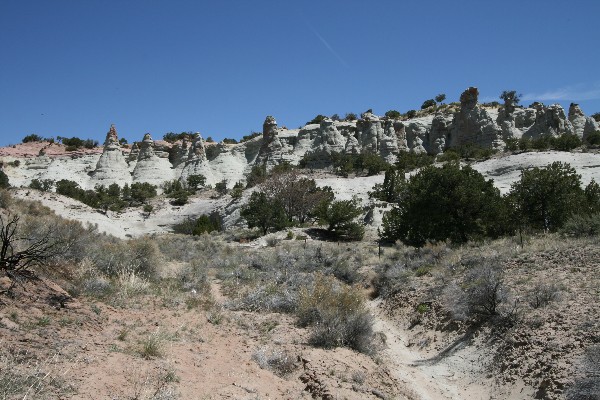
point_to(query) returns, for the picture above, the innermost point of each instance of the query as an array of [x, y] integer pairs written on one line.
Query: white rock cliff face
[[112, 166], [149, 167], [433, 133]]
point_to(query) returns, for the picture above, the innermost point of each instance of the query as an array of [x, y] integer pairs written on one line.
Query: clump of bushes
[[251, 136], [408, 160], [364, 163], [582, 225], [466, 152], [33, 138], [75, 143], [317, 120], [564, 142], [458, 204], [173, 137], [113, 198], [45, 185], [593, 139], [198, 226]]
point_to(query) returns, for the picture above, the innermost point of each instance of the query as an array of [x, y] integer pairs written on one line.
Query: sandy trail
[[427, 381]]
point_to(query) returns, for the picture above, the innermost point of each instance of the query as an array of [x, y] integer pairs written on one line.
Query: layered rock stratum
[[432, 131]]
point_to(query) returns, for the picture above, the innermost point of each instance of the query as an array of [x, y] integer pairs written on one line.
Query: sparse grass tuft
[[152, 345]]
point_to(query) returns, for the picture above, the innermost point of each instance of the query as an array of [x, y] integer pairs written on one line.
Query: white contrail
[[573, 92], [328, 46]]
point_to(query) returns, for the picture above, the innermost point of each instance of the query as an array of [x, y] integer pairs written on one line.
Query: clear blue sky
[[73, 67]]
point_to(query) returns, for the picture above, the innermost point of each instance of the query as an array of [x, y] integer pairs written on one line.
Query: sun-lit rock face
[[314, 144], [550, 121], [112, 165], [582, 125], [150, 168], [473, 124]]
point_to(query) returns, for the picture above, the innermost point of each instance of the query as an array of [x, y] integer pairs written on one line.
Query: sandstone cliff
[[428, 132]]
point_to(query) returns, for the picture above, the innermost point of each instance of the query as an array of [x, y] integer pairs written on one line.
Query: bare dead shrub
[[278, 361], [543, 294], [479, 294], [24, 377]]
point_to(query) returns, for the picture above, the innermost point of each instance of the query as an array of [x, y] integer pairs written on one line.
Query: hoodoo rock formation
[[473, 124], [112, 166], [429, 132], [582, 125], [149, 167]]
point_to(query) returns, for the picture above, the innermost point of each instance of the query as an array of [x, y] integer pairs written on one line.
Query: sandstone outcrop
[[474, 124], [582, 125], [440, 134], [112, 166], [271, 149], [550, 121], [156, 161], [150, 168]]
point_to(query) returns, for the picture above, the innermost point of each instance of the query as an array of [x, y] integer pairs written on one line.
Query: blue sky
[[71, 68]]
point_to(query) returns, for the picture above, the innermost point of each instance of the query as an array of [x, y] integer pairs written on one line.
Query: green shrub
[[75, 143], [251, 136], [471, 151], [316, 120], [427, 104], [229, 141], [593, 139], [257, 175], [340, 218], [172, 137], [411, 114], [512, 144], [525, 144], [4, 182], [45, 185], [389, 190], [545, 198], [365, 162], [582, 225], [445, 203], [195, 181], [200, 225], [237, 191], [350, 117], [33, 138], [510, 96], [221, 187], [264, 213], [211, 151], [566, 142], [393, 114], [408, 161]]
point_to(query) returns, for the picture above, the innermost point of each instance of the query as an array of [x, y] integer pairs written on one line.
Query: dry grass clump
[[337, 314], [152, 346], [278, 361], [25, 377], [154, 384]]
